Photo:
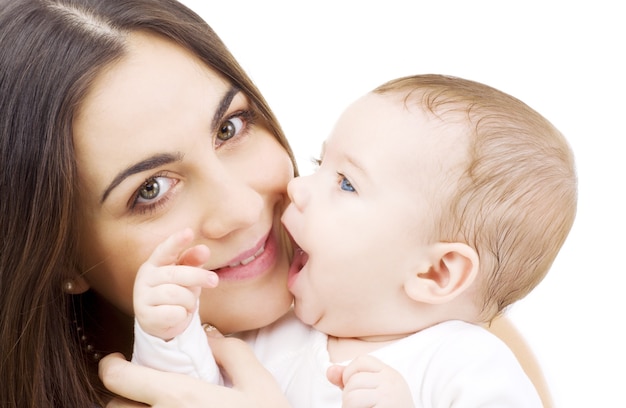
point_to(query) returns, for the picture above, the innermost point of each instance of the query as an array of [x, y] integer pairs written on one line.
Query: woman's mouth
[[249, 259], [252, 263]]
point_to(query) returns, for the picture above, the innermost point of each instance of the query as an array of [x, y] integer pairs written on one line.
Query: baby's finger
[[362, 373], [197, 255], [166, 321], [362, 364], [369, 382], [335, 375], [187, 276], [361, 398], [170, 294], [362, 380], [168, 251]]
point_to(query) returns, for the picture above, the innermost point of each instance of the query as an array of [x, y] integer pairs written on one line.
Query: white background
[[565, 59]]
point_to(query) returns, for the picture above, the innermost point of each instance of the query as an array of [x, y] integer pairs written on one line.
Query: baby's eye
[[230, 128], [345, 184]]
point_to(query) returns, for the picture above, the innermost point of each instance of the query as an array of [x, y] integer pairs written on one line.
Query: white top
[[452, 364], [188, 353]]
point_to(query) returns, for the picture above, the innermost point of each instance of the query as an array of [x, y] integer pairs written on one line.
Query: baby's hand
[[368, 382], [168, 285]]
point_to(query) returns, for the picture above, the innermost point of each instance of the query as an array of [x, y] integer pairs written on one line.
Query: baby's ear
[[450, 270]]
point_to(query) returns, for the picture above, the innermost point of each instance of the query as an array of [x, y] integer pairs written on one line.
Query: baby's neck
[[342, 349]]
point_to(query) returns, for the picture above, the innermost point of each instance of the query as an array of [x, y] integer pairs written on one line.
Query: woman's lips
[[252, 263], [300, 258], [249, 259]]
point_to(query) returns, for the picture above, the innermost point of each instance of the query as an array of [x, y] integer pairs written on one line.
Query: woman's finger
[[169, 390], [123, 403], [152, 387], [126, 379], [246, 372]]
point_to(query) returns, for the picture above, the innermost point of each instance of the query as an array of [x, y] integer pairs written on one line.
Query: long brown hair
[[51, 52]]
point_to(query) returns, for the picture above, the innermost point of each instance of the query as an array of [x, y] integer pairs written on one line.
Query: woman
[[91, 189], [120, 123]]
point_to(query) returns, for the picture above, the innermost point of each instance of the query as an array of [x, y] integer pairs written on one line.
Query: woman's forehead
[[144, 103]]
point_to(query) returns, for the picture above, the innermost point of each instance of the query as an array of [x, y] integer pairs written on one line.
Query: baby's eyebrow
[[150, 163]]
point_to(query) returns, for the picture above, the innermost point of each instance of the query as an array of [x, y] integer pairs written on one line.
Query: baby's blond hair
[[515, 201]]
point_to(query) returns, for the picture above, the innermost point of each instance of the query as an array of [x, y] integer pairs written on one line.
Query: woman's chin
[[252, 317]]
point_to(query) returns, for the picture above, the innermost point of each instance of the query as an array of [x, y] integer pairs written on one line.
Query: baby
[[438, 202]]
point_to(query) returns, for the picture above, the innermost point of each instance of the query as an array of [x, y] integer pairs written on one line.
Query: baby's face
[[364, 219]]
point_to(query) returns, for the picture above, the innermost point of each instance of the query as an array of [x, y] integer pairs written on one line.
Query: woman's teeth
[[250, 258]]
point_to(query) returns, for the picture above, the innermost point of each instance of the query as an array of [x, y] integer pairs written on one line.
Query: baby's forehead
[[442, 133], [402, 139]]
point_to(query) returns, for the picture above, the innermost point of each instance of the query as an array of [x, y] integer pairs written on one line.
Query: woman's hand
[[253, 386], [145, 386]]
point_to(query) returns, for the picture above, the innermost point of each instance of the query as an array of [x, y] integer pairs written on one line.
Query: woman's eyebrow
[[223, 106], [147, 164], [166, 158]]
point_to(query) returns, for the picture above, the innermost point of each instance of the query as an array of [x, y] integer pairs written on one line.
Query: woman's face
[[163, 143]]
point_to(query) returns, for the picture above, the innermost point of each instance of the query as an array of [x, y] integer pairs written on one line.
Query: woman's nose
[[299, 192], [233, 205]]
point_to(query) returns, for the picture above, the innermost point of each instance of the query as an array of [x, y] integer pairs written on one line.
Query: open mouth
[[300, 258]]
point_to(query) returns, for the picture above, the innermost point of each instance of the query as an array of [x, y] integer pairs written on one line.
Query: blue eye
[[345, 184]]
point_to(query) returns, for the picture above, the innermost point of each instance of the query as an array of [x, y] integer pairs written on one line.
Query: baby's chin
[[307, 317]]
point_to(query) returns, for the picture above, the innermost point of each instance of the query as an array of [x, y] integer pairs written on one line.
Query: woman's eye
[[153, 189], [236, 126], [345, 184], [230, 128]]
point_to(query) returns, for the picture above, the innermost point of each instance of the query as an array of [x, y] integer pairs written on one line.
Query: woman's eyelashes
[[156, 190], [153, 193], [235, 126]]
